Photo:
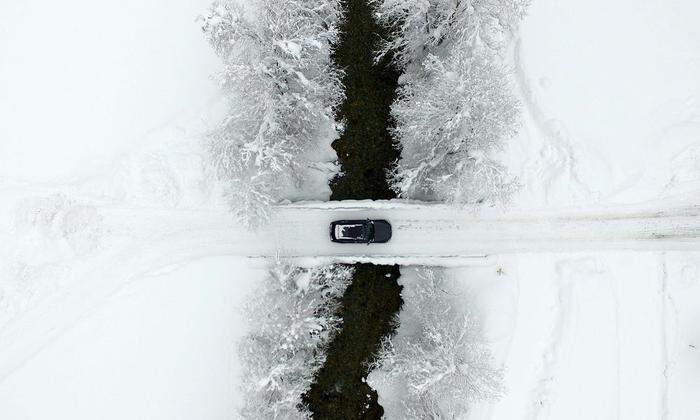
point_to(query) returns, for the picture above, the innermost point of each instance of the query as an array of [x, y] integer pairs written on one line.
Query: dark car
[[360, 231]]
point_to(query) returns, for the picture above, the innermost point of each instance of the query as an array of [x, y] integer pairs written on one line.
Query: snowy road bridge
[[433, 231], [430, 233]]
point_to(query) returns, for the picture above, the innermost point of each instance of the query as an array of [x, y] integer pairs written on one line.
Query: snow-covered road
[[438, 231], [423, 233]]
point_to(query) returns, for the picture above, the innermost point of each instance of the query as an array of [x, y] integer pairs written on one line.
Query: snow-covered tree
[[282, 90], [449, 121], [437, 355], [423, 27], [455, 108], [293, 317]]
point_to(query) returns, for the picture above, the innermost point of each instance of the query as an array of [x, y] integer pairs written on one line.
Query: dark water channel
[[365, 152]]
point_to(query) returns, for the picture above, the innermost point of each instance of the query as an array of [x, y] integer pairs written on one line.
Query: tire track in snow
[[556, 149], [618, 346], [581, 293], [546, 378], [669, 337]]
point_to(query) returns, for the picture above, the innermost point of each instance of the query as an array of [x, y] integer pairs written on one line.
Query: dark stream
[[365, 152]]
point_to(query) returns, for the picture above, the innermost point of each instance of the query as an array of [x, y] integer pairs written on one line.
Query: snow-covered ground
[[592, 335], [104, 104], [81, 81], [164, 347], [611, 100]]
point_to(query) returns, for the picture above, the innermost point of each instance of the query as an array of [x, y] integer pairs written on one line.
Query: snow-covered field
[[611, 99], [161, 347], [592, 335], [104, 105], [82, 82], [118, 299]]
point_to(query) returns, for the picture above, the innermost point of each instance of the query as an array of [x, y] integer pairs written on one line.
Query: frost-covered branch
[[438, 354], [449, 122], [455, 108], [293, 317], [424, 27], [282, 90]]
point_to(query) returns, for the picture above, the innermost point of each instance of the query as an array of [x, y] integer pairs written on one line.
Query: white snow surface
[[105, 104], [611, 102], [163, 346], [81, 81], [592, 335]]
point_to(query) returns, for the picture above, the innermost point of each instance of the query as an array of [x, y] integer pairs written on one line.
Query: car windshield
[[369, 231]]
